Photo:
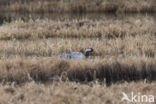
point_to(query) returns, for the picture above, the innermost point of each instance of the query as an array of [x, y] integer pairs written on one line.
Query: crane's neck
[[87, 54]]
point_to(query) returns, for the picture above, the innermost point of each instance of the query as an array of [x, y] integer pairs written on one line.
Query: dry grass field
[[83, 28], [72, 93], [31, 70]]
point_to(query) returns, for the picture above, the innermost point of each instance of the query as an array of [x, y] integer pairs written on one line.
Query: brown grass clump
[[80, 6], [21, 71]]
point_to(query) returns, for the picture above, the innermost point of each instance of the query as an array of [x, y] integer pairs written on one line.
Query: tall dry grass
[[81, 6], [126, 49], [84, 28], [129, 46], [111, 71]]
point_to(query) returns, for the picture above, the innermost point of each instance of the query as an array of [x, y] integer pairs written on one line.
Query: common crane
[[77, 55]]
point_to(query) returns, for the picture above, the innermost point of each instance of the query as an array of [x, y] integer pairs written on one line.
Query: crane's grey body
[[72, 55], [76, 55]]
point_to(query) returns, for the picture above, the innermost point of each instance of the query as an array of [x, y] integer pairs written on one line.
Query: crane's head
[[88, 51]]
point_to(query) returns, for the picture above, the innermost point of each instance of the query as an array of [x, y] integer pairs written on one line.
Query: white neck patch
[[88, 49]]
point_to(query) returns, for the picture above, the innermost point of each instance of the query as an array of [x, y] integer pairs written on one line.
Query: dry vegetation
[[32, 72], [109, 70], [77, 28], [72, 93], [125, 49], [80, 6], [45, 37]]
